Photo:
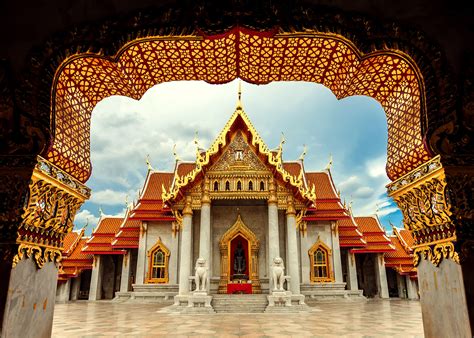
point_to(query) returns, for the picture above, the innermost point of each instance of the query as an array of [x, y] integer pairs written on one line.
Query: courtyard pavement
[[374, 318]]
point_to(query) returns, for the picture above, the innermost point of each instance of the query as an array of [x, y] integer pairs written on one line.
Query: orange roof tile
[[70, 240], [374, 235], [405, 237], [76, 261], [293, 168], [349, 234], [108, 225], [152, 189], [121, 243], [400, 259], [323, 183], [185, 168], [103, 236]]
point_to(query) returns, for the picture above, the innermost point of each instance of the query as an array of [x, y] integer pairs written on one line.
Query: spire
[[147, 159], [303, 154], [328, 167], [175, 154], [101, 213], [239, 97]]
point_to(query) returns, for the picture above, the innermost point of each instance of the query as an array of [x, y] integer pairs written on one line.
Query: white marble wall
[[141, 256], [30, 302], [323, 229], [381, 276], [336, 254], [412, 288], [63, 291], [402, 291], [162, 230], [96, 279], [75, 287], [124, 280], [352, 283]]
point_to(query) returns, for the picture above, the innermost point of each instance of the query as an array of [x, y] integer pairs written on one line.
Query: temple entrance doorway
[[239, 260]]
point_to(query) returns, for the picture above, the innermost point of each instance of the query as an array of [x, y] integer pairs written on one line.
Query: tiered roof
[[349, 233], [101, 240], [402, 258], [128, 234], [374, 236], [328, 204], [73, 259]]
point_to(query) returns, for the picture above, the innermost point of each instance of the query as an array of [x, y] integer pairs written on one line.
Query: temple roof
[[187, 173], [128, 233], [374, 236], [402, 258], [101, 240], [74, 260], [349, 234]]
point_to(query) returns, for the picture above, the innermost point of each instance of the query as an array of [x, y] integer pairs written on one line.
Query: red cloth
[[233, 245], [239, 287]]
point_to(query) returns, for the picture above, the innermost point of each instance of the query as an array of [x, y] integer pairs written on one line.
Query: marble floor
[[374, 318]]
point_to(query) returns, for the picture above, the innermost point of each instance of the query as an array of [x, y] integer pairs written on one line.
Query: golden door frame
[[239, 228]]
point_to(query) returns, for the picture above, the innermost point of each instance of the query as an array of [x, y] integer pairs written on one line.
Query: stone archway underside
[[390, 77]]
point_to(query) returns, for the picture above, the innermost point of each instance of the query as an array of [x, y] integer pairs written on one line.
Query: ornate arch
[[239, 229], [162, 266], [320, 259]]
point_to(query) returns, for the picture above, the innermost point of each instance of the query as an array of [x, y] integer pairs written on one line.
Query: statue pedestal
[[279, 298], [196, 302], [200, 299]]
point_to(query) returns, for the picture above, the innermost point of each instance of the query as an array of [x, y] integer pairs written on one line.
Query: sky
[[352, 130]]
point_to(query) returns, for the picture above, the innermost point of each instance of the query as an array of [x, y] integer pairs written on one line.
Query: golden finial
[[344, 204], [196, 141], [328, 167], [350, 204], [175, 154], [303, 154], [101, 213], [85, 225], [147, 159], [239, 96], [126, 201]]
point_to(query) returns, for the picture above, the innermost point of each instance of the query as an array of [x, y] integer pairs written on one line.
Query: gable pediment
[[238, 156]]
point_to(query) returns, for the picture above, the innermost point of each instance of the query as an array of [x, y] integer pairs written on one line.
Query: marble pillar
[[125, 278], [412, 288], [30, 301], [205, 229], [142, 255], [273, 236], [352, 283], [336, 254], [186, 248], [292, 265], [63, 291], [402, 289], [381, 276], [95, 292], [75, 287], [444, 305]]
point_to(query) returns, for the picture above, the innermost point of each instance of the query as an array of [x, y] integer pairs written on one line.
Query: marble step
[[239, 303]]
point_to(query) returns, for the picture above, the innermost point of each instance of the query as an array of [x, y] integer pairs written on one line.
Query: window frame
[[320, 246], [151, 253]]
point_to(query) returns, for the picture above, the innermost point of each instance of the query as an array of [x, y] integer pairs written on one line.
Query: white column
[[401, 286], [63, 291], [124, 279], [96, 279], [205, 228], [381, 276], [141, 258], [336, 253], [412, 288], [293, 266], [352, 283], [186, 248], [75, 287], [273, 238]]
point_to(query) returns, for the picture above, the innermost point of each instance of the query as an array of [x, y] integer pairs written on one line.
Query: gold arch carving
[[321, 245], [239, 228], [158, 245]]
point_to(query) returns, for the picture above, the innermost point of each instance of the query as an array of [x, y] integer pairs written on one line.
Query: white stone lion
[[278, 273], [200, 276]]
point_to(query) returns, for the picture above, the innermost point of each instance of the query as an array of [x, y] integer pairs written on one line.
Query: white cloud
[[84, 217], [376, 167], [109, 197]]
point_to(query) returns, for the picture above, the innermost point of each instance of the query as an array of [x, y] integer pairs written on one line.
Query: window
[[262, 186], [239, 155], [239, 185], [227, 186], [158, 258], [216, 186], [250, 185], [319, 256]]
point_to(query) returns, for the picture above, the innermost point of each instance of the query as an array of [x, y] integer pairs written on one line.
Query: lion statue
[[278, 273], [200, 277]]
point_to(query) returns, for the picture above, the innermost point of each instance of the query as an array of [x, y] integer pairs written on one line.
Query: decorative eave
[[204, 159]]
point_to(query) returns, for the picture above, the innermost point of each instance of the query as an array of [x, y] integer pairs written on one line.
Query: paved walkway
[[394, 318]]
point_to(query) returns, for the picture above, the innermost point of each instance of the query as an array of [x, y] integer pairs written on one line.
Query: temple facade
[[233, 217]]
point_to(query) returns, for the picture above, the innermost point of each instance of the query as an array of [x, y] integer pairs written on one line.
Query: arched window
[[227, 186], [319, 256], [250, 185], [239, 185], [158, 258], [262, 186], [216, 186]]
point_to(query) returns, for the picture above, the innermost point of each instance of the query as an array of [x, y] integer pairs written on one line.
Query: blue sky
[[124, 131]]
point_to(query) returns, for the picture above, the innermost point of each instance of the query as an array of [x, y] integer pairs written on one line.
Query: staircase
[[239, 303]]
